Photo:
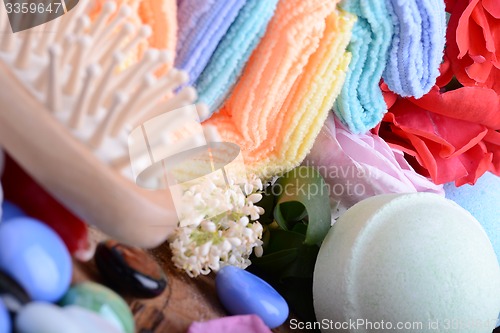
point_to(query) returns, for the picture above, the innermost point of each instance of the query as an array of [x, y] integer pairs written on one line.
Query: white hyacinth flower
[[205, 241]]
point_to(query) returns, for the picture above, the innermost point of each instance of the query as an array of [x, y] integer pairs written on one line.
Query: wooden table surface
[[184, 300]]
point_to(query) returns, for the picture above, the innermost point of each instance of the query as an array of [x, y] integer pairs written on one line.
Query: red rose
[[452, 133], [449, 136], [473, 42]]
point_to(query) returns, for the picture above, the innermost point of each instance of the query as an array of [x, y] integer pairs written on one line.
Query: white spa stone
[[39, 317], [89, 321], [45, 318], [408, 258]]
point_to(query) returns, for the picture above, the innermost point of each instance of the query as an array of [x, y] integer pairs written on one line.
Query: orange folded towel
[[278, 106], [161, 15]]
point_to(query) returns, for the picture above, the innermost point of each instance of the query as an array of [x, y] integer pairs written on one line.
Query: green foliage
[[296, 221]]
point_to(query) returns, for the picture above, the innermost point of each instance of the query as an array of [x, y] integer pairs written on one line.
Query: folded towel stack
[[281, 101], [360, 104], [417, 46], [161, 15], [307, 107], [233, 52], [202, 24]]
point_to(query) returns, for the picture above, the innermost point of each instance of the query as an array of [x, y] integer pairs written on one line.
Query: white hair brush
[[70, 93]]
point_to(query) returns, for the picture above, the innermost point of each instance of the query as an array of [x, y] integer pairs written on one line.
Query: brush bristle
[[84, 73]]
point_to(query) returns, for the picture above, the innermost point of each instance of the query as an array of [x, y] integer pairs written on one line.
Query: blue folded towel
[[360, 104], [417, 46], [202, 24], [234, 50]]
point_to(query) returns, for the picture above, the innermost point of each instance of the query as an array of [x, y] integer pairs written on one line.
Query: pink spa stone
[[240, 324]]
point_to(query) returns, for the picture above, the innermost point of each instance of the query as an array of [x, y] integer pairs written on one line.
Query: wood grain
[[184, 300]]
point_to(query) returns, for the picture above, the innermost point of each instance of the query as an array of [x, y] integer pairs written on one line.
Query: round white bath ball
[[407, 263]]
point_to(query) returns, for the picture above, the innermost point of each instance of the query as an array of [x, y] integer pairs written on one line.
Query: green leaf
[[299, 296], [288, 213], [268, 202], [281, 250], [281, 240], [304, 193], [295, 224], [303, 264], [275, 262], [300, 228], [266, 236]]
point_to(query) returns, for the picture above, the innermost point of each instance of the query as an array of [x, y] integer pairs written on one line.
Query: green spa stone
[[102, 300]]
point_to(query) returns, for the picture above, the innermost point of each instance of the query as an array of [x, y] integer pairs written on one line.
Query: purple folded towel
[[202, 24], [417, 46]]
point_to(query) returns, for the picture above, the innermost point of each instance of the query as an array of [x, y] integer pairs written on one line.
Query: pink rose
[[358, 166]]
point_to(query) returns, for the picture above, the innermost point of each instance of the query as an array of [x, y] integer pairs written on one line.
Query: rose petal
[[357, 166], [472, 104], [492, 143], [389, 96], [442, 170], [479, 72], [477, 161], [473, 32], [448, 148], [480, 39], [438, 128], [446, 73], [462, 33], [492, 7]]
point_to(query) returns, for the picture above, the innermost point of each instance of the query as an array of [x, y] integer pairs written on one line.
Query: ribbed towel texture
[[309, 103], [161, 15], [360, 104], [202, 24], [417, 46], [233, 52], [279, 104]]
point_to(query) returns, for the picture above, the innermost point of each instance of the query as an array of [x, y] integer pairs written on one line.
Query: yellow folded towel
[[288, 86]]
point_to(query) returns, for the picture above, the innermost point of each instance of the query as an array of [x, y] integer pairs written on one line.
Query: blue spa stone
[[4, 319], [35, 256], [11, 211], [482, 201], [244, 293]]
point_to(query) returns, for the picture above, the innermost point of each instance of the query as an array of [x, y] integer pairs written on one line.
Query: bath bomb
[[417, 261], [483, 201]]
